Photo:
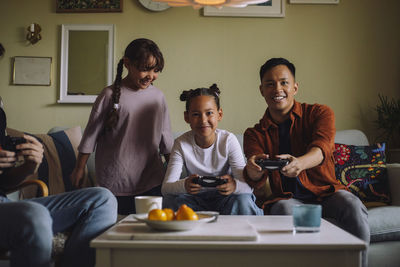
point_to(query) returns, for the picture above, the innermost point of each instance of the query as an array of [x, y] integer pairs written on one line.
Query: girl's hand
[[32, 150], [229, 187], [77, 177], [253, 170], [191, 187]]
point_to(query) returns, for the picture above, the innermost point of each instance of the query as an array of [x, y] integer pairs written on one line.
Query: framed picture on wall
[[273, 8], [314, 1], [31, 71], [68, 6]]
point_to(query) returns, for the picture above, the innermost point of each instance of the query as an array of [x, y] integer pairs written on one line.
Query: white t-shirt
[[223, 157]]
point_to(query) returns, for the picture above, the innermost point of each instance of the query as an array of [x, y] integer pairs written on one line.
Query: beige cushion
[[60, 152]]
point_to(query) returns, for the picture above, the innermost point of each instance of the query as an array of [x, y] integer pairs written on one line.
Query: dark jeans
[[126, 204]]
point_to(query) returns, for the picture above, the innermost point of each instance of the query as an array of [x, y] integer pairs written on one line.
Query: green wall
[[345, 54]]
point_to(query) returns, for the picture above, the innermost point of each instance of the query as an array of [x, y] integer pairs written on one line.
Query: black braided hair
[[138, 52], [213, 91], [113, 115]]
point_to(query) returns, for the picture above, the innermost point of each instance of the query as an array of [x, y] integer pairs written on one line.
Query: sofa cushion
[[351, 137], [384, 223], [60, 151], [362, 169]]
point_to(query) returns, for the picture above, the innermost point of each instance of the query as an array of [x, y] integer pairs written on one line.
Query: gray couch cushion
[[384, 254], [351, 137], [384, 223]]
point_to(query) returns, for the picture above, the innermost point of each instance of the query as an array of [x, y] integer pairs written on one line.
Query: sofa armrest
[[394, 182]]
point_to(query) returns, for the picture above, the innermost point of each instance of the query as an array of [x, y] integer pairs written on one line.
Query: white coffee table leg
[[103, 257]]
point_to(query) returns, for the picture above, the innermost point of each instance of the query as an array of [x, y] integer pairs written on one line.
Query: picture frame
[[275, 9], [88, 6], [85, 35], [314, 1], [31, 71]]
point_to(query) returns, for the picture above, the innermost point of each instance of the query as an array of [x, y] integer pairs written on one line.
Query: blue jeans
[[233, 204], [348, 212], [27, 226]]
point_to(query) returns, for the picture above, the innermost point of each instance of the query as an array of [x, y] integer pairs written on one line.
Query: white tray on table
[[220, 230]]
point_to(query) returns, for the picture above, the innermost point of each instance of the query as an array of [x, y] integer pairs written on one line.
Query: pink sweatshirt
[[128, 158]]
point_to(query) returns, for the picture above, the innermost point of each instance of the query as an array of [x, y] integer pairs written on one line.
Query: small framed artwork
[[31, 71], [272, 8], [87, 6], [314, 1]]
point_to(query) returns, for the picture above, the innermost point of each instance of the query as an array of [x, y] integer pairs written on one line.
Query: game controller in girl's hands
[[272, 164], [209, 181]]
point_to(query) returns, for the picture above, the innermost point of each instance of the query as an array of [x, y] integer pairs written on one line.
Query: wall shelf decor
[[273, 8], [68, 6], [31, 71]]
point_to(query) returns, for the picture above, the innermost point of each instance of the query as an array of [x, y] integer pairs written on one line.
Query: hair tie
[[116, 106]]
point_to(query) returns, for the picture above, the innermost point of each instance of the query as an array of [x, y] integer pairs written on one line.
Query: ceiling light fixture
[[215, 3]]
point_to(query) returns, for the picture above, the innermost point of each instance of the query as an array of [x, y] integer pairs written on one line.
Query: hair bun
[[214, 88], [184, 95]]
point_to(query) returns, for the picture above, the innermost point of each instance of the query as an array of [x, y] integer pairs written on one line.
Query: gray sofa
[[384, 222]]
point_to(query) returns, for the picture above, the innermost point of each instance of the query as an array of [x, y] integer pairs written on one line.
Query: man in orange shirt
[[303, 134]]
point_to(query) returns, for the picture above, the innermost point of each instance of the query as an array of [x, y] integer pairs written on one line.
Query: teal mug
[[307, 218]]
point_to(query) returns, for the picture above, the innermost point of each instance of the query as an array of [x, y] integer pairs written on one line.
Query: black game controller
[[272, 164], [209, 181], [11, 142]]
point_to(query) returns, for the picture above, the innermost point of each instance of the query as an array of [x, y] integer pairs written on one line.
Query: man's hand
[[253, 170], [296, 165], [294, 168], [191, 187], [227, 188]]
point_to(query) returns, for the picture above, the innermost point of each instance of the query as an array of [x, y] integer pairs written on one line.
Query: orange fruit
[[157, 215], [170, 214], [186, 213]]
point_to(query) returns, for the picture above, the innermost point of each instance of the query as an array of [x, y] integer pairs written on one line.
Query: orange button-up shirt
[[312, 126]]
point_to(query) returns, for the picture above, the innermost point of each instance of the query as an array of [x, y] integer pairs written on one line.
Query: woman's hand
[[191, 187], [227, 188], [7, 159], [32, 150]]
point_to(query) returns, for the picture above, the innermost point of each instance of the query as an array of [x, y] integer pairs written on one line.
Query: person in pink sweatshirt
[[129, 127]]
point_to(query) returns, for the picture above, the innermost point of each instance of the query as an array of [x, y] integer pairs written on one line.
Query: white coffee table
[[276, 245]]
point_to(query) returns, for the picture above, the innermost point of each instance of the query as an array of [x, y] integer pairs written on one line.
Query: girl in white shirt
[[207, 151]]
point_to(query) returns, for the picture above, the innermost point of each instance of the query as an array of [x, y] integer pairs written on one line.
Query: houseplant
[[388, 124]]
